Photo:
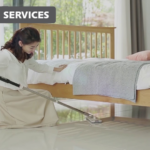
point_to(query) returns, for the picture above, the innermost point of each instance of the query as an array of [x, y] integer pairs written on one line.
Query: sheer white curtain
[[123, 29], [122, 44], [1, 29]]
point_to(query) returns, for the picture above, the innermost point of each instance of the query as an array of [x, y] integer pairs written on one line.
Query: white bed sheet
[[67, 74]]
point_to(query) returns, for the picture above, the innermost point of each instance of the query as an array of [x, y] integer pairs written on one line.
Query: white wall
[[1, 29], [146, 19]]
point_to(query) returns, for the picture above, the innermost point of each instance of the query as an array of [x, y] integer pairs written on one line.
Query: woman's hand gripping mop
[[89, 117]]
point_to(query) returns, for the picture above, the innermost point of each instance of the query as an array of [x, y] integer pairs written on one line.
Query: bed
[[103, 40]]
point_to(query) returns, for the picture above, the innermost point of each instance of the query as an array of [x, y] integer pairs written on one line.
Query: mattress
[[66, 76]]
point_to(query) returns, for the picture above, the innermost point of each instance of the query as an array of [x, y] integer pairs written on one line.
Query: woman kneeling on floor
[[19, 108]]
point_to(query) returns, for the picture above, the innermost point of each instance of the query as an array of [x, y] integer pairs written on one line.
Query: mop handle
[[27, 89], [8, 81], [32, 91]]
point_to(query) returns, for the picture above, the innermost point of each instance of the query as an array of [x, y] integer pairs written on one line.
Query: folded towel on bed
[[111, 78]]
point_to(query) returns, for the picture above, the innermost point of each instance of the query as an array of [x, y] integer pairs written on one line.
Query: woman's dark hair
[[26, 35]]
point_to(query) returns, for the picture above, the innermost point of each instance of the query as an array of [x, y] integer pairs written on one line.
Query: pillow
[[140, 56]]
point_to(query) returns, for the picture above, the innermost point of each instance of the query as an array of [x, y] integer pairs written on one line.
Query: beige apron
[[22, 109]]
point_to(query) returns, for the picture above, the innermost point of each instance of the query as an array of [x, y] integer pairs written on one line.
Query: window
[[7, 27], [72, 12], [84, 12]]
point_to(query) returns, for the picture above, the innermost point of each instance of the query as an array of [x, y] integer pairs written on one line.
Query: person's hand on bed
[[60, 68]]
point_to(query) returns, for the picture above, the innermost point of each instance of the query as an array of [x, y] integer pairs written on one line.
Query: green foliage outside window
[[72, 12]]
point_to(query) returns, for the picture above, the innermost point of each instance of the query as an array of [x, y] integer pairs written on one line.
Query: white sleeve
[[41, 68], [4, 59]]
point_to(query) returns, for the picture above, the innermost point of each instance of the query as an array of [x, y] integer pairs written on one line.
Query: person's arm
[[60, 68], [4, 59], [43, 68]]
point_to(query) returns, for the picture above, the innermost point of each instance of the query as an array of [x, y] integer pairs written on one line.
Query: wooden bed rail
[[74, 41]]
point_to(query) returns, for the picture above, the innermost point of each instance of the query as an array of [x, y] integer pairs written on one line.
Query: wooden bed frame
[[66, 90]]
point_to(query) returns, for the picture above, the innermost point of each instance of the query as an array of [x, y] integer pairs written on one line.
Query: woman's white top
[[16, 71]]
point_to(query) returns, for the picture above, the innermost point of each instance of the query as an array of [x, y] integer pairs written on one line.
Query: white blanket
[[67, 74]]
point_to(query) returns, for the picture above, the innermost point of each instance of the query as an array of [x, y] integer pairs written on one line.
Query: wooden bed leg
[[112, 111]]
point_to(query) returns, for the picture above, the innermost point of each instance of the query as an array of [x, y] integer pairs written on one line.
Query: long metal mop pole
[[89, 117]]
